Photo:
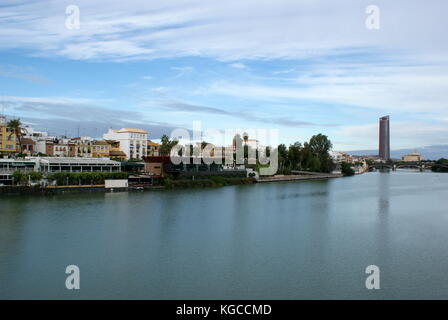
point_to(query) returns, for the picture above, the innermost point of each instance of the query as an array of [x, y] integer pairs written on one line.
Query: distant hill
[[428, 153]]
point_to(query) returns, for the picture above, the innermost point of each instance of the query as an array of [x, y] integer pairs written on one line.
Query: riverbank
[[53, 190], [168, 184], [280, 178]]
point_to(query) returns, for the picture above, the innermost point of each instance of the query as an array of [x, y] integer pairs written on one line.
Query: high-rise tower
[[384, 147]]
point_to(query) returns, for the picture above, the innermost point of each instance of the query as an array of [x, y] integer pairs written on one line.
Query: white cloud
[[408, 89], [410, 78], [231, 30], [238, 65]]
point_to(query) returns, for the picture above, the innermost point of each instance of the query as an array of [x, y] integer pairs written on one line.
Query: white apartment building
[[133, 142], [34, 134]]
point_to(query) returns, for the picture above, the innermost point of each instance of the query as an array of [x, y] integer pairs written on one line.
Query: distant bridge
[[422, 165]]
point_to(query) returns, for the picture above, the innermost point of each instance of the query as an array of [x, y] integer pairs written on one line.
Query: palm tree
[[15, 127]]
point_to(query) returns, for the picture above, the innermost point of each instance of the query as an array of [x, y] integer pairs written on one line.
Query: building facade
[[384, 138], [64, 164], [153, 148], [412, 157], [133, 142], [8, 140], [28, 146], [114, 150], [100, 149]]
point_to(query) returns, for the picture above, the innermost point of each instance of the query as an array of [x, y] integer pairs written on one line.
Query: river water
[[291, 240]]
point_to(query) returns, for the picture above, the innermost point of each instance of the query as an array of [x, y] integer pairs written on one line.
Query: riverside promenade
[[295, 177]]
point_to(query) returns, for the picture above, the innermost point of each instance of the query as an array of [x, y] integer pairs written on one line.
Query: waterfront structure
[[59, 164], [154, 165], [384, 138], [9, 166], [133, 142], [412, 157], [54, 164], [161, 165], [23, 165], [65, 164]]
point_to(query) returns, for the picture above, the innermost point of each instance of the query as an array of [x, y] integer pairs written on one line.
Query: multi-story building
[[100, 149], [44, 147], [339, 157], [153, 148], [8, 140], [384, 137], [114, 150], [28, 146], [412, 157], [29, 132], [133, 142], [61, 150], [80, 147]]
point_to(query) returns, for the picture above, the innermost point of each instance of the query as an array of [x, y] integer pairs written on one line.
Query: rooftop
[[72, 160], [152, 143], [132, 130], [100, 142]]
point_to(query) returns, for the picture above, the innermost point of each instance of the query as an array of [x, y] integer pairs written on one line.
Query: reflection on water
[[289, 240]]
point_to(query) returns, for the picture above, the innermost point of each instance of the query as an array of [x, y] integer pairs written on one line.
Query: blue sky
[[300, 66]]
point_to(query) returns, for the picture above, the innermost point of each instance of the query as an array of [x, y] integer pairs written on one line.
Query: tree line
[[313, 156]]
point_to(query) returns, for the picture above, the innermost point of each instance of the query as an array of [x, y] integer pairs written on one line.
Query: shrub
[[346, 169], [83, 178]]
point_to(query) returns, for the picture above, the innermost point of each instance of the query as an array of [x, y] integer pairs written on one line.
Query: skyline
[[294, 67]]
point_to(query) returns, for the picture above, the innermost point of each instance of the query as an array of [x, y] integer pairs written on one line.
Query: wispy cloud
[[406, 89], [241, 115], [62, 114], [252, 29], [22, 73]]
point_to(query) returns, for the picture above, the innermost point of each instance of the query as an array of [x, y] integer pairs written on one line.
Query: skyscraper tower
[[384, 148]]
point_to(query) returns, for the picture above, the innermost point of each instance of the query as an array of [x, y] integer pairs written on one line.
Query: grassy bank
[[204, 183]]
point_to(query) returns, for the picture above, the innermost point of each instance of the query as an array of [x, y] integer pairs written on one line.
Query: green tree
[[295, 156], [167, 145], [282, 156], [19, 177], [346, 169], [320, 146], [15, 127], [35, 176]]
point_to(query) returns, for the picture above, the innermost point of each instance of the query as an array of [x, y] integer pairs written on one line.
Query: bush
[[346, 169], [19, 177], [215, 181], [35, 176], [84, 178]]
